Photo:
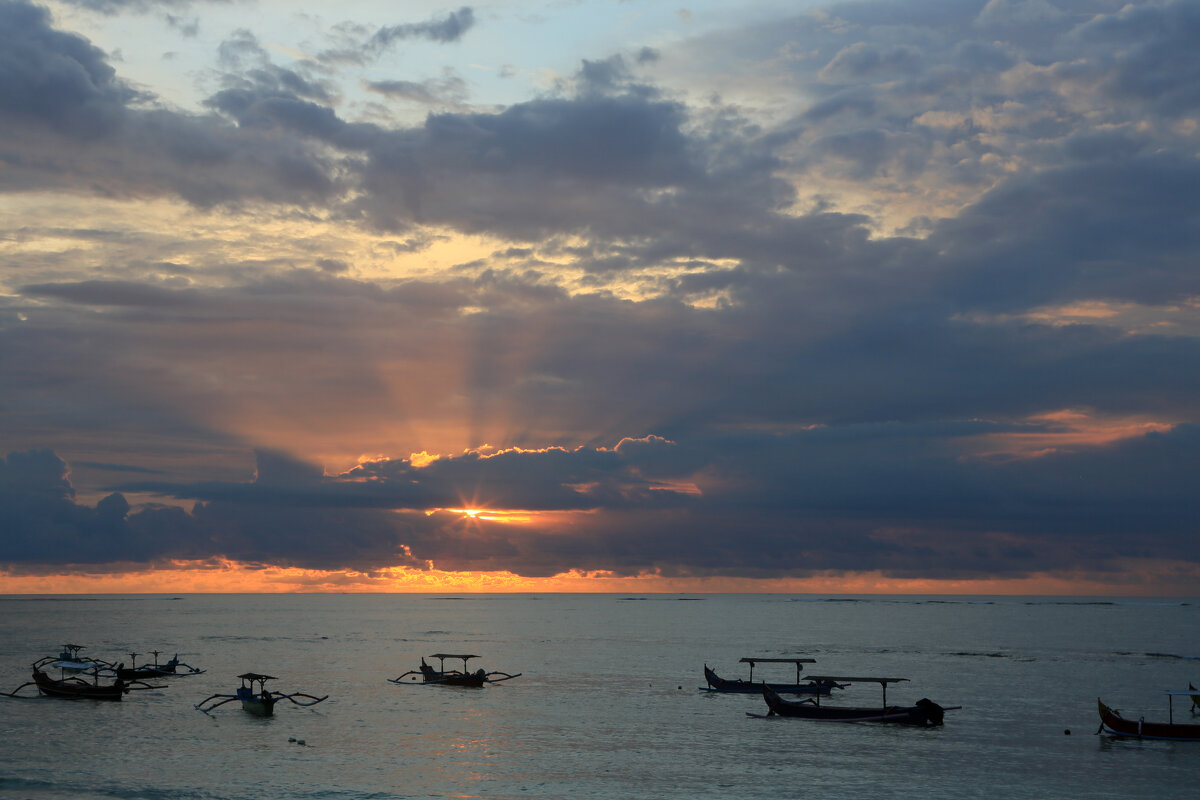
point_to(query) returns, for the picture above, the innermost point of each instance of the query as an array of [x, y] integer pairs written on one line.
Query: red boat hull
[[1117, 725]]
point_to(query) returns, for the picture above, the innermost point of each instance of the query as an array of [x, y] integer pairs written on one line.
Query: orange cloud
[[1138, 578], [1064, 430]]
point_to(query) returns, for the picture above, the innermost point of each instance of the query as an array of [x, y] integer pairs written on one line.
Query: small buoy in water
[[678, 687], [1067, 732]]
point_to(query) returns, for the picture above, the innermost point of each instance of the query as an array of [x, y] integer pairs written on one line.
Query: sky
[[586, 295]]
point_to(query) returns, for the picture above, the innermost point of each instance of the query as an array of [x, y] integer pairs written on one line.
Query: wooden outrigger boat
[[256, 698], [171, 669], [924, 713], [1113, 723], [74, 686], [735, 685], [452, 677], [74, 683]]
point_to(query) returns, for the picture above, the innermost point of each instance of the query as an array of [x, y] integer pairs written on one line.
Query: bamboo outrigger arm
[[13, 694], [313, 698], [506, 677], [227, 698]]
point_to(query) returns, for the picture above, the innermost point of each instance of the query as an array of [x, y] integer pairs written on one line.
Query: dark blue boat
[[718, 684]]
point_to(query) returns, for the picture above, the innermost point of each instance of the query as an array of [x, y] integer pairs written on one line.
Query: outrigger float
[[925, 713], [256, 698], [452, 677], [735, 685], [105, 681], [1111, 722]]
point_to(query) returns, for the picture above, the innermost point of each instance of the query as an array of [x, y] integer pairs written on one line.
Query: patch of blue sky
[[512, 52]]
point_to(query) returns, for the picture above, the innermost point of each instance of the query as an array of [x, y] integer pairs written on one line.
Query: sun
[[492, 515]]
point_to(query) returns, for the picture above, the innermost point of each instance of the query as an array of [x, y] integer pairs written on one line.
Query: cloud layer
[[897, 287]]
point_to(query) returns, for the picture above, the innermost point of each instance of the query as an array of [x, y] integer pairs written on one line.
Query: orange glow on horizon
[[1142, 578]]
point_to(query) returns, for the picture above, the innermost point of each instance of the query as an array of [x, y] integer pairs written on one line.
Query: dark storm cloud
[[449, 28], [540, 167], [547, 165], [586, 163], [56, 79], [111, 293], [449, 89], [797, 503], [57, 92], [551, 479], [42, 524], [358, 44], [604, 75], [1109, 229], [1154, 62]]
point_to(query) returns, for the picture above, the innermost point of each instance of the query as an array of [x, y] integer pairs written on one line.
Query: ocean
[[608, 703]]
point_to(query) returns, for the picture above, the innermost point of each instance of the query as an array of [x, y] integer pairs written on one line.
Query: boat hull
[[457, 679], [258, 704], [1113, 723], [736, 686], [77, 688], [925, 713], [147, 672]]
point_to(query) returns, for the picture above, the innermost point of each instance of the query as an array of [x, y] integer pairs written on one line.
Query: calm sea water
[[608, 704]]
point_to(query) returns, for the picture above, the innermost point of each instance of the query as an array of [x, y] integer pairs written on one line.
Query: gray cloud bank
[[882, 497], [824, 385]]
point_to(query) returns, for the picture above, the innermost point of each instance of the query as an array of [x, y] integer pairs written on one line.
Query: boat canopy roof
[[452, 655], [843, 678], [254, 676], [777, 661]]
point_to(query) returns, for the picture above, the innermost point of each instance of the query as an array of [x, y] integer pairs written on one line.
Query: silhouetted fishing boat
[[95, 681], [735, 685], [256, 698], [452, 677], [171, 669], [924, 713], [1113, 723], [75, 686]]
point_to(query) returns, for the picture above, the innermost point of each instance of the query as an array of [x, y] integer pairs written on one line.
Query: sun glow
[[1140, 578], [491, 515]]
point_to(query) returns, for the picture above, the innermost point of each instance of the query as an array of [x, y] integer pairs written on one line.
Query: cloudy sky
[[587, 294]]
